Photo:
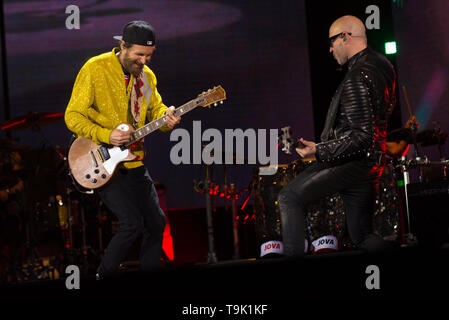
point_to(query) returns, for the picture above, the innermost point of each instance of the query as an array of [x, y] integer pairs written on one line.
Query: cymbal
[[431, 137], [400, 134], [426, 138], [32, 120], [9, 144], [9, 179]]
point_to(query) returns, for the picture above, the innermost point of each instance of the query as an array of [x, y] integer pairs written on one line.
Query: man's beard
[[132, 66]]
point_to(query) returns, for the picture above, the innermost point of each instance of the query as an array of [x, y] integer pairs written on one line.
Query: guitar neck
[[158, 123]]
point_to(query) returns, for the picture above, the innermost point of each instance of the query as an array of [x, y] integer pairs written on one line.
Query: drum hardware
[[212, 191], [211, 255], [429, 218], [100, 228], [73, 230], [287, 141], [325, 219], [72, 247], [233, 194], [418, 163], [410, 238], [35, 121], [86, 249], [203, 186], [264, 191], [33, 258], [29, 261], [37, 222], [32, 120], [38, 211], [411, 136], [65, 226]]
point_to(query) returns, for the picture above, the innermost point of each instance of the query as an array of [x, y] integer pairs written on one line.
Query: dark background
[[325, 71]]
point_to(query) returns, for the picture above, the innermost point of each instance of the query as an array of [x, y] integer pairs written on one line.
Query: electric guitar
[[92, 165]]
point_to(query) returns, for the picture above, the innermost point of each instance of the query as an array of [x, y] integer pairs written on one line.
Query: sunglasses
[[333, 38]]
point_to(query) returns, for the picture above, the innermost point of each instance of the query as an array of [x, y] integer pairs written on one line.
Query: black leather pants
[[356, 182]]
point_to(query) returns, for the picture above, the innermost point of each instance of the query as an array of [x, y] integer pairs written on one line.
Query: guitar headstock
[[285, 139], [212, 96]]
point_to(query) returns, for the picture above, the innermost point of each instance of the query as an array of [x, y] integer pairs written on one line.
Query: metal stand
[[406, 165], [235, 228], [85, 249], [207, 187], [211, 256], [34, 271], [410, 238], [31, 251]]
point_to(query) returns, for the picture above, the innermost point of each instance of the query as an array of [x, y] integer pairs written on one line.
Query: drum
[[387, 207], [44, 229], [265, 191], [325, 219]]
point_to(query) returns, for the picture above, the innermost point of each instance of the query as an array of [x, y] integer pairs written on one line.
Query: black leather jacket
[[356, 123]]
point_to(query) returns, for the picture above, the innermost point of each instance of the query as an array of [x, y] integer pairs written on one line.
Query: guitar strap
[[147, 92], [136, 99], [140, 88]]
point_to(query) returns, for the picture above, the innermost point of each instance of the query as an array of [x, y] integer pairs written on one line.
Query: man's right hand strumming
[[119, 137]]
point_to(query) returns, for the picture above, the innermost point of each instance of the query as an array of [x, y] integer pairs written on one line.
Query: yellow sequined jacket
[[99, 101]]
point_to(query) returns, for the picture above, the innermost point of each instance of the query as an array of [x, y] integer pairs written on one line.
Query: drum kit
[[43, 225], [325, 219]]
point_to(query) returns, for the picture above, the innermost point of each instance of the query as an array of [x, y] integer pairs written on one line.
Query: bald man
[[350, 157]]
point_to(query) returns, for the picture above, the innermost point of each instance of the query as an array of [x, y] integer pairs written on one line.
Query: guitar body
[[93, 165]]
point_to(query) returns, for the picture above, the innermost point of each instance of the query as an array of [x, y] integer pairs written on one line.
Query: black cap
[[138, 32]]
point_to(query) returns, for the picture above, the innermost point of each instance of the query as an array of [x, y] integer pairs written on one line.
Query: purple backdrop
[[421, 30], [257, 50]]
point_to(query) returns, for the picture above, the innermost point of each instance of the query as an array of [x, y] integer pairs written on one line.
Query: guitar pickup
[[92, 157], [104, 153]]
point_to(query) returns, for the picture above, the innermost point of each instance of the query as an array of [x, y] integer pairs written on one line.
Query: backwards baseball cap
[[138, 32]]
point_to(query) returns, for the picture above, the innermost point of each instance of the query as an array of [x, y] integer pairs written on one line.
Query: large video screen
[[256, 50]]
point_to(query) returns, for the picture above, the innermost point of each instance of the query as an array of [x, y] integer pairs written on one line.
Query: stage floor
[[408, 272]]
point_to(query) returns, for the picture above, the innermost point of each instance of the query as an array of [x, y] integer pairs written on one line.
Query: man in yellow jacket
[[110, 89]]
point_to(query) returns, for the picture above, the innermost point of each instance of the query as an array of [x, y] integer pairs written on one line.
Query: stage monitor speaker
[[429, 212]]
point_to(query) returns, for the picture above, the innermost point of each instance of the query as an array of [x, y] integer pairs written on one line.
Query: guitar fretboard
[[156, 124]]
